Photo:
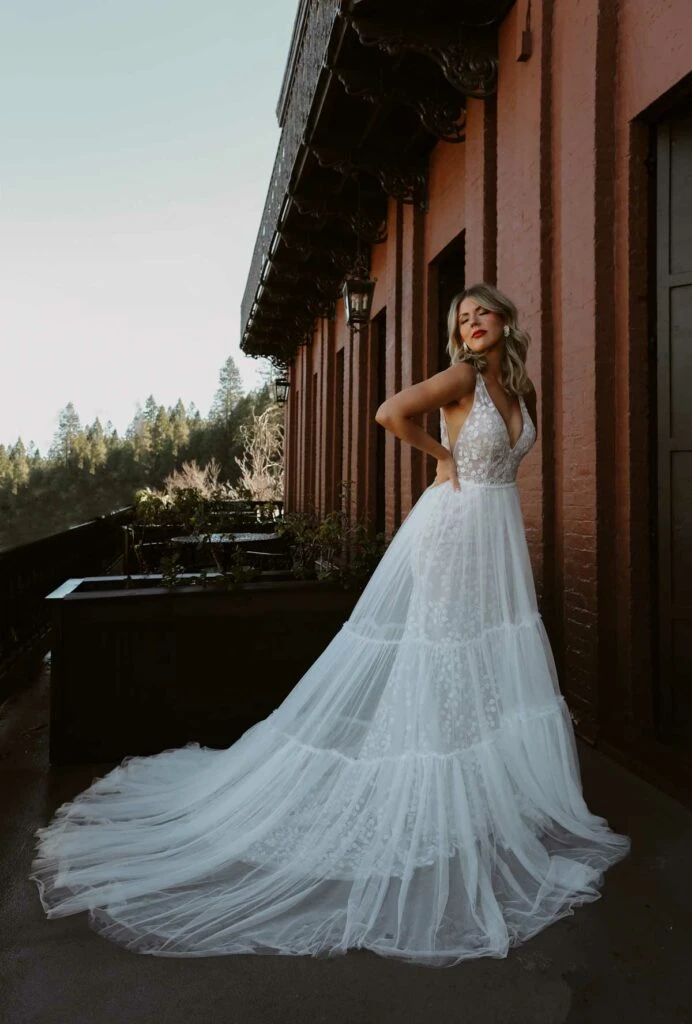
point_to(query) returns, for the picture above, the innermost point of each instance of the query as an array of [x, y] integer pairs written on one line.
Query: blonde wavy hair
[[514, 377]]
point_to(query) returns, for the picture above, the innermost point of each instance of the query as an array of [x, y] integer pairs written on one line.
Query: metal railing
[[30, 571]]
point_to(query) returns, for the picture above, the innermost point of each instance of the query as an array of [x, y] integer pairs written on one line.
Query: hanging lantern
[[358, 287], [357, 292], [280, 387]]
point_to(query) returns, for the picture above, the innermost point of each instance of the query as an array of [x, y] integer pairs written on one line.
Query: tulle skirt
[[417, 794]]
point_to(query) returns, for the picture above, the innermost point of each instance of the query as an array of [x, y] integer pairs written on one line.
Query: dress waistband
[[485, 483], [475, 483]]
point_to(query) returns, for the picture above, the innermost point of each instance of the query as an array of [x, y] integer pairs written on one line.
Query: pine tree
[[140, 431], [228, 394], [151, 409], [97, 448], [5, 466], [161, 432], [64, 438], [180, 429], [19, 466], [34, 455], [194, 416], [111, 435]]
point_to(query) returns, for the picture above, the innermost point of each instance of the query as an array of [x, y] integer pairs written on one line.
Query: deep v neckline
[[521, 410]]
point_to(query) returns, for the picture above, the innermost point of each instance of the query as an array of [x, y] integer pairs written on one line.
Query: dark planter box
[[140, 670]]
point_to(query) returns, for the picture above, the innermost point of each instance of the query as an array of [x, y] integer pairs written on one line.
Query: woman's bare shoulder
[[443, 388], [460, 378]]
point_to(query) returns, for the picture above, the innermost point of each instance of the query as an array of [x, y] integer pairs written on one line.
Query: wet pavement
[[625, 958]]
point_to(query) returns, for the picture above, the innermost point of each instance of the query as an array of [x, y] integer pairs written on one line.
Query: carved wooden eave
[[399, 177], [437, 109], [464, 53], [370, 87]]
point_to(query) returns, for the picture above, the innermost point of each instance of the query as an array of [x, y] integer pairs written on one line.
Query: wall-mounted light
[[281, 386], [357, 292], [358, 288]]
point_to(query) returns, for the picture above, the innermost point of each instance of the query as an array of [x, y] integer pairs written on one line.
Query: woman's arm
[[447, 386]]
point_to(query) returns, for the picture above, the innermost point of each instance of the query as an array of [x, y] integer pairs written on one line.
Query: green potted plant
[[332, 548]]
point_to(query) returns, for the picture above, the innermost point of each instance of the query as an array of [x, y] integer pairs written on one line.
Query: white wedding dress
[[417, 794]]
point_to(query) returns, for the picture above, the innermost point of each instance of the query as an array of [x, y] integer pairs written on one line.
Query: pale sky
[[137, 139]]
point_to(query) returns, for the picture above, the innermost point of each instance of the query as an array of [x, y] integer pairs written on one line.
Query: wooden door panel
[[674, 371]]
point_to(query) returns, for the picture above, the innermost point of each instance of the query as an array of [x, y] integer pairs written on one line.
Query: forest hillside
[[90, 471]]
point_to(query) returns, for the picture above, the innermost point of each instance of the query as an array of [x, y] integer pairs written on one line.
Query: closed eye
[[464, 318]]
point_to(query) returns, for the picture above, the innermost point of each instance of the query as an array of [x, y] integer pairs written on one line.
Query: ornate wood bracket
[[289, 273], [313, 295], [301, 246], [440, 111], [369, 226], [466, 54], [337, 252], [406, 182]]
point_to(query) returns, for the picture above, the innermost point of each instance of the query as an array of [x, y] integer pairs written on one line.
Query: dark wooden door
[[674, 397], [450, 281], [447, 281]]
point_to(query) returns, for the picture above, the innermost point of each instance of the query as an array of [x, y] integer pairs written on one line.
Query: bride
[[418, 792]]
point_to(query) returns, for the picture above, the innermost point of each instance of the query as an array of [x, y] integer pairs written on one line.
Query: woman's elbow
[[383, 415]]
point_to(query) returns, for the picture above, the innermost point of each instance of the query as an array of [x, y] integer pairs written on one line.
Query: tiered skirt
[[417, 794]]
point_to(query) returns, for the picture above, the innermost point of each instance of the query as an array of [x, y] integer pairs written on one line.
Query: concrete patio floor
[[625, 958]]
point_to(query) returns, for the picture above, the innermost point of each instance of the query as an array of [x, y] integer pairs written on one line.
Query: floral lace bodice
[[482, 451]]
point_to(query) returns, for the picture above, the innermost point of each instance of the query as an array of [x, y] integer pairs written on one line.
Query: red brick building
[[547, 148]]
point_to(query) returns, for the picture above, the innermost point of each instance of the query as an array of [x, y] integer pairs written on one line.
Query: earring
[[506, 330]]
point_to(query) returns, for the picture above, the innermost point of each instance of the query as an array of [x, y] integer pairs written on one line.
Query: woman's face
[[474, 319]]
